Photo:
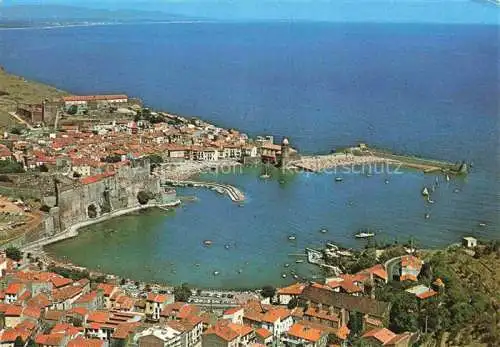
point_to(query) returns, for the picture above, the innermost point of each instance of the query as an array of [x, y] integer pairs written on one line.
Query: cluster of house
[[91, 148], [50, 310]]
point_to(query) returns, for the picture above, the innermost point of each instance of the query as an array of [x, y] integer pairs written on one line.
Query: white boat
[[207, 242], [429, 200], [482, 225], [364, 235], [425, 191], [386, 181], [291, 237], [427, 216], [295, 276], [447, 178], [338, 179], [265, 176], [299, 261], [226, 246], [284, 275], [323, 231], [287, 265], [216, 273]]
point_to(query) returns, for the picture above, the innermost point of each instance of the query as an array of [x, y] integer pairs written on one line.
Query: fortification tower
[[285, 152]]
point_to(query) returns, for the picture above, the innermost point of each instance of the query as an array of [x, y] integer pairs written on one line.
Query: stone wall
[[95, 199]]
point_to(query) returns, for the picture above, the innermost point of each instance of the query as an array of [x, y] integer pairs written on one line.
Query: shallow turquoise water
[[167, 246]]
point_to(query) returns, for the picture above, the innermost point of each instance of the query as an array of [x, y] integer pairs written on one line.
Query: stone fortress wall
[[94, 199]]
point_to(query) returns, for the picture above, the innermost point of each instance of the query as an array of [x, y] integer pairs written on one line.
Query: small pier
[[234, 193]]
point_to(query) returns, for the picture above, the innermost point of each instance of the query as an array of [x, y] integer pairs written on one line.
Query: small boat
[[227, 246], [364, 235], [456, 190], [296, 277], [284, 275], [287, 265], [240, 271], [292, 237], [207, 242], [427, 216], [299, 261], [323, 231], [482, 225], [425, 191], [447, 178], [338, 179], [386, 181], [429, 200], [216, 273]]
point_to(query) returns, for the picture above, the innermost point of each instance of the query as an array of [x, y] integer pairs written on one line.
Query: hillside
[[15, 89], [38, 15]]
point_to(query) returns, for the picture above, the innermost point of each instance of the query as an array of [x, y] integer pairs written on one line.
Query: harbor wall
[[92, 200]]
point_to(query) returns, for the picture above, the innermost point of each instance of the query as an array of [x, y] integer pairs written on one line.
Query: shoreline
[[73, 230]]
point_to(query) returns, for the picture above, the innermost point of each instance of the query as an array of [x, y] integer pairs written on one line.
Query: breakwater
[[366, 156], [234, 193]]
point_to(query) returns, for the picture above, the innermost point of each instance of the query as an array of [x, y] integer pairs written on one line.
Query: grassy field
[[15, 89]]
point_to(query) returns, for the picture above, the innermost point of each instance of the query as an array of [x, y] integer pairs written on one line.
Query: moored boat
[[364, 235], [207, 242]]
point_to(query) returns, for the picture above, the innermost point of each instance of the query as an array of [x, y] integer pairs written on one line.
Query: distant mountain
[[29, 15]]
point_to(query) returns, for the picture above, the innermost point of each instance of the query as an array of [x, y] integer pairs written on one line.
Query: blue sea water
[[430, 90]]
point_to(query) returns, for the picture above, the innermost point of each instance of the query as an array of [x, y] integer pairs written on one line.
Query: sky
[[446, 11]]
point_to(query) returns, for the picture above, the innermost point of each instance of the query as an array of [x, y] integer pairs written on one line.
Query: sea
[[430, 90]]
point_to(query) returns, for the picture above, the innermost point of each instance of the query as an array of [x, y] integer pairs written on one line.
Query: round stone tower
[[285, 152]]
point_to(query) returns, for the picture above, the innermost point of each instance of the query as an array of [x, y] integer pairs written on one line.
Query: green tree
[[294, 302], [14, 253], [19, 342], [355, 323], [17, 130], [72, 110], [182, 293], [404, 311], [10, 166], [268, 291], [144, 197]]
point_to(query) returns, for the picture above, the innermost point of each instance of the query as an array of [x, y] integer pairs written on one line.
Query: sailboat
[[447, 178], [425, 191], [266, 174]]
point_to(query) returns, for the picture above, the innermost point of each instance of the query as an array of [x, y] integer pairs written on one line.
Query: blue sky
[[446, 11]]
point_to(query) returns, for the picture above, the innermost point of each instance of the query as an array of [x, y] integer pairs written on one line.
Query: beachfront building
[[469, 242], [231, 152]]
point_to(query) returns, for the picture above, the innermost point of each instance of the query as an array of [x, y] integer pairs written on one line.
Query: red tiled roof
[[232, 310], [96, 178], [383, 335], [13, 311], [222, 330], [294, 289], [263, 333], [305, 333], [59, 281], [83, 342], [98, 316], [158, 298], [106, 288], [50, 339], [14, 288]]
